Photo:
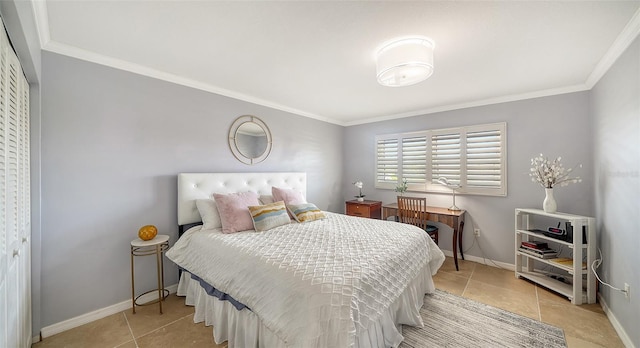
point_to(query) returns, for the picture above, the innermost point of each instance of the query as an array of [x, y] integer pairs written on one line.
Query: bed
[[334, 281]]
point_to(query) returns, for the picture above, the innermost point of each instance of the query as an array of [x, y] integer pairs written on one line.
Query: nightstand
[[156, 246], [367, 209]]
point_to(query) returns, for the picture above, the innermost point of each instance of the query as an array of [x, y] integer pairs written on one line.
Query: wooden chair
[[411, 210]]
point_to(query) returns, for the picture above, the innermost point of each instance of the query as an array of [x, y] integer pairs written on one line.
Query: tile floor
[[584, 326]]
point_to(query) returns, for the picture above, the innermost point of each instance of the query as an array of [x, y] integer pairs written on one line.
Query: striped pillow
[[268, 216], [305, 212]]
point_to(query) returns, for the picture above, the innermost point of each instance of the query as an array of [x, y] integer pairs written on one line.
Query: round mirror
[[250, 139]]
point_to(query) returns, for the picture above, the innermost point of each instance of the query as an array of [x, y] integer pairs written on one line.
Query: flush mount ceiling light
[[405, 61]]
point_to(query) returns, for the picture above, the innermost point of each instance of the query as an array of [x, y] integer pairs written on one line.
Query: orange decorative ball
[[147, 232]]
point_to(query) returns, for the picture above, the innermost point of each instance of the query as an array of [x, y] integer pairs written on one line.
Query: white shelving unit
[[578, 292]]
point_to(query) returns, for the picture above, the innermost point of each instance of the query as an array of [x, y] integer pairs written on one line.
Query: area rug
[[453, 321]]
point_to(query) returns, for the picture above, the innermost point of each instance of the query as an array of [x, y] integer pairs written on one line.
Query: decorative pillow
[[305, 212], [268, 216], [209, 213], [266, 199], [289, 196], [234, 214]]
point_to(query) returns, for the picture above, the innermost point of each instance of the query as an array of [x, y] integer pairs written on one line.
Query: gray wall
[[615, 112], [112, 144], [554, 126]]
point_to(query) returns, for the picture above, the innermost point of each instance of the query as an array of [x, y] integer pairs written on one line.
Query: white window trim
[[430, 186]]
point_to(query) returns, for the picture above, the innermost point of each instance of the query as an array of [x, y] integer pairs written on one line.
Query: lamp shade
[[405, 61]]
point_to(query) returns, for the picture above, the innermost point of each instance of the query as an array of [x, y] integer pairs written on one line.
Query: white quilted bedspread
[[334, 276]]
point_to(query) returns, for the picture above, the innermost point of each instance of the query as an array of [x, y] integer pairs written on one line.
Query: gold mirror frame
[[233, 140]]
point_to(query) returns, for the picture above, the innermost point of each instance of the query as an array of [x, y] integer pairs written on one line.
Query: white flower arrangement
[[551, 173], [359, 185]]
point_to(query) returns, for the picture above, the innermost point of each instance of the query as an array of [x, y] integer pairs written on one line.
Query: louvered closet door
[[24, 215], [15, 268], [4, 237]]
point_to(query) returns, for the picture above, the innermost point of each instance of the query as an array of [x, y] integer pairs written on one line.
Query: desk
[[454, 219]]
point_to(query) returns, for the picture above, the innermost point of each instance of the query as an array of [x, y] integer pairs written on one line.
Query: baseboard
[[68, 324], [488, 262], [626, 340]]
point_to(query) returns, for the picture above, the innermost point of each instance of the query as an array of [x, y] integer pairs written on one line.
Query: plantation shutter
[[446, 157], [484, 159], [414, 160], [473, 157], [386, 162]]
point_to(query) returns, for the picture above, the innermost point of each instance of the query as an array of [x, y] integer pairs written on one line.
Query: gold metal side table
[[157, 246]]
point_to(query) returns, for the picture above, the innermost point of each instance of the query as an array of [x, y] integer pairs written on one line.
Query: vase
[[360, 199], [549, 204]]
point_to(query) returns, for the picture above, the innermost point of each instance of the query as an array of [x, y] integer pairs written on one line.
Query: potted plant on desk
[[401, 189]]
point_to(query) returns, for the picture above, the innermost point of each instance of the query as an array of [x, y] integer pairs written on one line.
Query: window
[[472, 156]]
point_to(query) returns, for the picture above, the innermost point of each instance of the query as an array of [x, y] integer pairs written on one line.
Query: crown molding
[[75, 52], [476, 103], [41, 16], [622, 42]]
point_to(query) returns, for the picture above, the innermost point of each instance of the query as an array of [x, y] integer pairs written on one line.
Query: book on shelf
[[538, 254], [535, 244], [567, 262], [544, 250]]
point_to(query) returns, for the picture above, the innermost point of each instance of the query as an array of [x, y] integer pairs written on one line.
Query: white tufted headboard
[[192, 186]]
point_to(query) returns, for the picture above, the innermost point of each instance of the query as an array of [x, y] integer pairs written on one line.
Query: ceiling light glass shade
[[405, 61]]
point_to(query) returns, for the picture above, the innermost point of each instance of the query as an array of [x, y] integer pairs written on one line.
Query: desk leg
[[460, 238], [455, 247], [457, 241]]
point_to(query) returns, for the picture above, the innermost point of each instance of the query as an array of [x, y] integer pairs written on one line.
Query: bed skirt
[[243, 328]]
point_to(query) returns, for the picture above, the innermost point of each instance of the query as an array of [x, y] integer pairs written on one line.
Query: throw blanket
[[314, 284]]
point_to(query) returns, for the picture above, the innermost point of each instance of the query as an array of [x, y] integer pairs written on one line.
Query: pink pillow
[[234, 210], [289, 196]]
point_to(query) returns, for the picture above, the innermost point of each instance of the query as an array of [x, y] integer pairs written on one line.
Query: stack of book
[[538, 249], [568, 262]]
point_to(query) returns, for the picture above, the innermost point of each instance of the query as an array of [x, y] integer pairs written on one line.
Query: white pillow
[[266, 199], [209, 213]]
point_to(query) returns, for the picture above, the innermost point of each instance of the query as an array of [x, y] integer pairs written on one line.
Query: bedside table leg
[[133, 291], [162, 273], [158, 266]]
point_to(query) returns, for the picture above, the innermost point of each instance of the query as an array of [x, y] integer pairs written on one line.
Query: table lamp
[[443, 181]]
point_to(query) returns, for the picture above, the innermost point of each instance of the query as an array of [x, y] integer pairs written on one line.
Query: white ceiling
[[317, 58]]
